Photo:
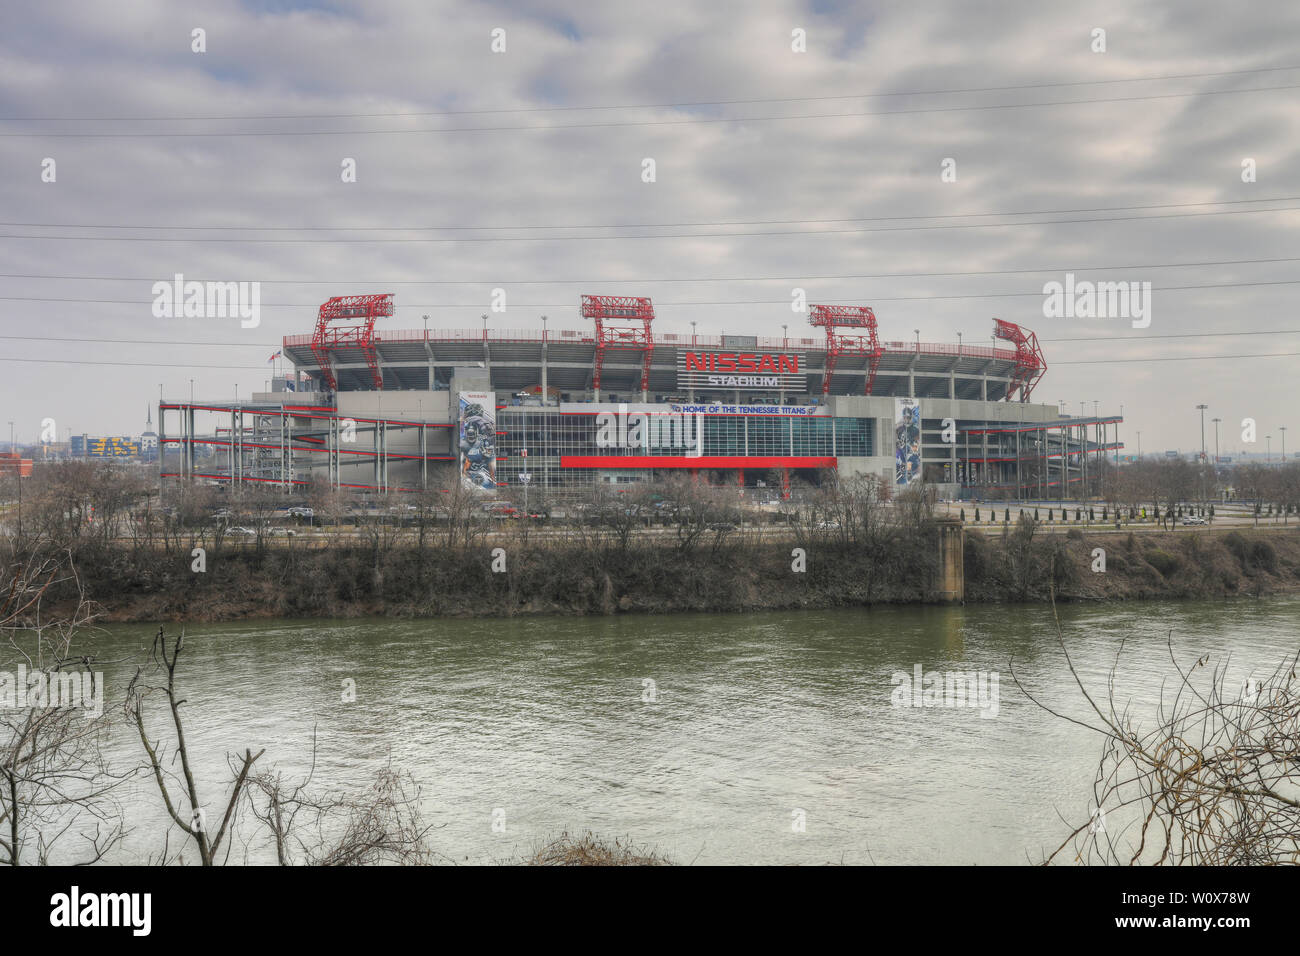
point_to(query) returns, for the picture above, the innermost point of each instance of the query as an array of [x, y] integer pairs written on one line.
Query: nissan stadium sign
[[741, 370]]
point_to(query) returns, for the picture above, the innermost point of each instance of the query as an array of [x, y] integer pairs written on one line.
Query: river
[[750, 719]]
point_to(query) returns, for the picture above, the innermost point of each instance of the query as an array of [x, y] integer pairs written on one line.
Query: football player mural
[[478, 440], [907, 441]]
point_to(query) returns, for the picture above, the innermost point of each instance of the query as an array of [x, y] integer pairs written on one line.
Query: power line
[[123, 364], [652, 225], [613, 281], [637, 106], [265, 345], [716, 302], [694, 235], [1162, 358], [699, 120], [1179, 358], [1175, 335]]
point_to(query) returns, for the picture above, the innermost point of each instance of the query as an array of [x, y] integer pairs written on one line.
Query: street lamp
[[1117, 424], [426, 328], [692, 332], [785, 336], [484, 326], [959, 344], [1269, 440], [543, 328], [1202, 409], [918, 340], [1282, 429]]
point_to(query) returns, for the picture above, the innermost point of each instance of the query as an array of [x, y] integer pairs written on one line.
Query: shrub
[[1163, 561]]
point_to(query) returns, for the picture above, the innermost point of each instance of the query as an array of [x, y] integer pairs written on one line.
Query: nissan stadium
[[616, 401]]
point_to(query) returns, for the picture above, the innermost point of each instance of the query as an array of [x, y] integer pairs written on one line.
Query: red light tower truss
[[865, 342], [1030, 364], [622, 321], [348, 321]]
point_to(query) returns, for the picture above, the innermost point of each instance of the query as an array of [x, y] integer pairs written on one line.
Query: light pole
[[543, 328], [1282, 429], [1216, 455], [959, 345], [484, 326], [1139, 446], [785, 336], [1096, 403], [1117, 424], [426, 328], [918, 341], [1202, 409], [1269, 440], [692, 333]]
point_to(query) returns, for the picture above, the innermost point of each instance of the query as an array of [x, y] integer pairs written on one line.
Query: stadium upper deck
[[417, 359]]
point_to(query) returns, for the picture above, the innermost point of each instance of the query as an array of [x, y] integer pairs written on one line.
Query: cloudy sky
[[226, 165]]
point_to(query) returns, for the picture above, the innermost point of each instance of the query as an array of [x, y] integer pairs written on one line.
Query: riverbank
[[601, 577]]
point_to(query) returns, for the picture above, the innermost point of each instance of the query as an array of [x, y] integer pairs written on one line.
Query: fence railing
[[679, 339]]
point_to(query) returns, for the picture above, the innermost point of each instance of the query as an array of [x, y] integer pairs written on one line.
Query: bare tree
[[383, 826], [1214, 780], [193, 821], [54, 781]]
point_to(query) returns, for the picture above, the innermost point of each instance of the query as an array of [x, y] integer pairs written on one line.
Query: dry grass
[[591, 850]]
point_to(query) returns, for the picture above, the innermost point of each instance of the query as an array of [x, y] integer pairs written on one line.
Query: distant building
[[11, 463]]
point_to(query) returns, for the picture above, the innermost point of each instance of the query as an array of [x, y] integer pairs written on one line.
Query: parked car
[[1193, 519], [281, 532], [241, 532]]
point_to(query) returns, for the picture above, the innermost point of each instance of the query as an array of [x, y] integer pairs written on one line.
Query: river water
[[750, 720]]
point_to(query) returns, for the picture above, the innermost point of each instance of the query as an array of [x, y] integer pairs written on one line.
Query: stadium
[[618, 402]]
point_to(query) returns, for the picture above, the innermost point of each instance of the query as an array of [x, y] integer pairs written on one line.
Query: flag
[[273, 358]]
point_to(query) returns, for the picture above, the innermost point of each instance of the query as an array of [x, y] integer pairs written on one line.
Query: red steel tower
[[865, 342], [348, 321], [622, 322], [1030, 364]]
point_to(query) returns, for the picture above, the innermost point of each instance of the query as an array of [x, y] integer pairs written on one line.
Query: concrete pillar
[[951, 586]]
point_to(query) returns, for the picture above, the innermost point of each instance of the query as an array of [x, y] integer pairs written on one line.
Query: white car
[[1193, 519], [281, 532], [241, 532]]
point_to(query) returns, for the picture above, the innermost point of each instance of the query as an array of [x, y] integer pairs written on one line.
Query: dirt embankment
[[354, 581]]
